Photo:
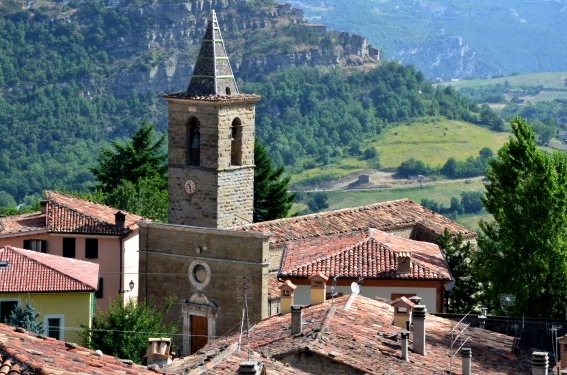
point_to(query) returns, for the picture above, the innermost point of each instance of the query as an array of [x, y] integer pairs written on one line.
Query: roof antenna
[[333, 294], [245, 316]]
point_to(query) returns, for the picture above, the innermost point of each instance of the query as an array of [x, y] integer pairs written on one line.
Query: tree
[[317, 201], [123, 330], [523, 250], [459, 256], [25, 317], [471, 201], [139, 157], [272, 200]]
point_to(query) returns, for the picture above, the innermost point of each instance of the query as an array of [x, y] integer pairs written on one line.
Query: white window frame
[[61, 318]]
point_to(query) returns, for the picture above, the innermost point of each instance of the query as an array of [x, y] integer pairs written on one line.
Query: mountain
[[456, 39]]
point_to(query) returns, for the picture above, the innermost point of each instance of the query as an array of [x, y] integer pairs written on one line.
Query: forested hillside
[[75, 75]]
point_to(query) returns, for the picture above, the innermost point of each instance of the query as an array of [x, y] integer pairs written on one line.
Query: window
[[99, 293], [69, 247], [193, 142], [91, 248], [6, 308], [36, 245], [54, 326], [236, 142]]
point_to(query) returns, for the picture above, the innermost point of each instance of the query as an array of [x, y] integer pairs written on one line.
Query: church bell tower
[[211, 143]]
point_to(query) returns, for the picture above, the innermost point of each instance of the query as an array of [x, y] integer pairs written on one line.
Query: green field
[[430, 140]]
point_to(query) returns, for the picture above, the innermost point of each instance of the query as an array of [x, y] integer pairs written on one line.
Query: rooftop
[[29, 354], [67, 214], [29, 271], [371, 254], [356, 331], [385, 216]]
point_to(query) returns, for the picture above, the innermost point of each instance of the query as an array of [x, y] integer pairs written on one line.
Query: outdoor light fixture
[[131, 284]]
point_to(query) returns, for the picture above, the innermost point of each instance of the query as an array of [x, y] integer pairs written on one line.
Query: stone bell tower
[[211, 143]]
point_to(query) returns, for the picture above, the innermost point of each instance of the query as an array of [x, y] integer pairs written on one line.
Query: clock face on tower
[[190, 187]]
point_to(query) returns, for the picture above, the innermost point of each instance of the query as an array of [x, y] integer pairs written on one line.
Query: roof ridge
[[70, 260]]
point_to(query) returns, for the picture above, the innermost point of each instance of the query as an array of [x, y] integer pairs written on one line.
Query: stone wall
[[167, 253], [316, 364]]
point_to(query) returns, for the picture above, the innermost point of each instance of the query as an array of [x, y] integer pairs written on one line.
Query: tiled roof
[[386, 216], [67, 214], [370, 254], [219, 357], [34, 272], [273, 286], [31, 354], [356, 331]]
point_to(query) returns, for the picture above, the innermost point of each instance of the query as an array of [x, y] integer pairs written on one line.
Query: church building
[[221, 269]]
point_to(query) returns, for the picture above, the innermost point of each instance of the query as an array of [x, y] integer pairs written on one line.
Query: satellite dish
[[450, 285], [355, 288]]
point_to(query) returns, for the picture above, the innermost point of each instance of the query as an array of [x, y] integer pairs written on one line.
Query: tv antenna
[[459, 337], [333, 294], [242, 282]]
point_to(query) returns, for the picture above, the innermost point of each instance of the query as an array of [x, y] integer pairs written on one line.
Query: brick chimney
[[403, 261], [540, 363], [418, 318], [405, 345], [159, 352], [467, 358], [251, 368], [296, 319], [286, 296], [120, 219], [318, 288]]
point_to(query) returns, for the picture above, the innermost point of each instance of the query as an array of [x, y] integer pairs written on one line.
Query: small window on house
[[36, 245], [54, 326], [99, 291], [236, 142], [6, 308], [193, 142], [69, 247], [91, 248]]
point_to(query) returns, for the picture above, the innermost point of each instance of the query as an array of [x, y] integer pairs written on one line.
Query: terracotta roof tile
[[35, 354], [385, 216], [67, 214], [368, 253], [357, 331], [34, 272]]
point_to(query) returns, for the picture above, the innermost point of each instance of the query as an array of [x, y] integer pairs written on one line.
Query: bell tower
[[211, 143]]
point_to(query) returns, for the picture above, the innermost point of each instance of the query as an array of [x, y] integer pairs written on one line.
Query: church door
[[199, 332]]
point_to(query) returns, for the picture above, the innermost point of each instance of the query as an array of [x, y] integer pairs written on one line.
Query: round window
[[199, 274]]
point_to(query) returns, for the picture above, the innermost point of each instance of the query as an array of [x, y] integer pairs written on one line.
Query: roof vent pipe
[[418, 319], [540, 363], [405, 345], [467, 358], [296, 317]]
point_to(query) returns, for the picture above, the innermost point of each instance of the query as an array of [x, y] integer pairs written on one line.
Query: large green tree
[[123, 330], [132, 175], [523, 250], [272, 199]]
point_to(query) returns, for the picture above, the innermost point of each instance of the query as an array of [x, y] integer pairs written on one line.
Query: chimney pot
[[467, 358], [405, 345], [296, 318], [540, 363], [418, 319]]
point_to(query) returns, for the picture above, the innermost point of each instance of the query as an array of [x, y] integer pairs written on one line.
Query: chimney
[[418, 318], [402, 311], [286, 296], [251, 368], [120, 219], [43, 205], [467, 357], [318, 288], [158, 353], [540, 363], [404, 261], [405, 345], [296, 318]]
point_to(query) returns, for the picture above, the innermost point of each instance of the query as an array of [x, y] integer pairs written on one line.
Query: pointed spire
[[212, 74]]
